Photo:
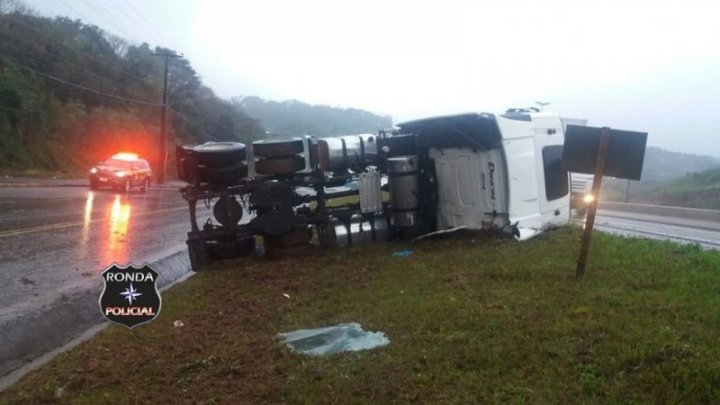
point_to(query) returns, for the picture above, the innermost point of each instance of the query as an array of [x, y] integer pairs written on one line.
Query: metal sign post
[[601, 157], [617, 153]]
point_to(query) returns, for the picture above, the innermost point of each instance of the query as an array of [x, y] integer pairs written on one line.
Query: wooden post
[[597, 182]]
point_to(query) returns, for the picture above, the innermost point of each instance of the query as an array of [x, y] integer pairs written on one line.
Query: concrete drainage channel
[[33, 336]]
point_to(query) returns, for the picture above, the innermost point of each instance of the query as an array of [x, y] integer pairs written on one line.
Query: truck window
[[556, 179]]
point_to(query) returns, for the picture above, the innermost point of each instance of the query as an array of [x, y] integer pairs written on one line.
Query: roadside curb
[[38, 336]]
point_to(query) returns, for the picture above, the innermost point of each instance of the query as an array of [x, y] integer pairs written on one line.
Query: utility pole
[[162, 154]]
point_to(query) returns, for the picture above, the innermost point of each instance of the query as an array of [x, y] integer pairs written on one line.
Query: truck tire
[[282, 165], [223, 176], [219, 154], [276, 148]]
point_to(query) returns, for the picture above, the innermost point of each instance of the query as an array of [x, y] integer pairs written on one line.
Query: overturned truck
[[475, 171]]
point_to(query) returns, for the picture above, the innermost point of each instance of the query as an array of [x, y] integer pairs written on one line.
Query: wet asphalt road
[[680, 230], [58, 239]]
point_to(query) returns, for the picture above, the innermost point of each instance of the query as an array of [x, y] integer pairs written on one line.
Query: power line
[[108, 20], [81, 87], [132, 20], [108, 83], [113, 16], [150, 24], [80, 52]]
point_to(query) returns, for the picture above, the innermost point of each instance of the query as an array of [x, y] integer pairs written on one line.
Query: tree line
[[292, 117], [71, 94]]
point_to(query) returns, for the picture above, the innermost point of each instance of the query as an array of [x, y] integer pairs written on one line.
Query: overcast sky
[[649, 65]]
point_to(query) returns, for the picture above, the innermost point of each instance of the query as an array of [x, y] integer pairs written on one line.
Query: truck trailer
[[497, 172]]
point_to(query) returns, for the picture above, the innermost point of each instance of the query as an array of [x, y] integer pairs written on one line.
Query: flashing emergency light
[[125, 156]]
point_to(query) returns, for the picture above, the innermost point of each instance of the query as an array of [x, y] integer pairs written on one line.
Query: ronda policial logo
[[130, 295]]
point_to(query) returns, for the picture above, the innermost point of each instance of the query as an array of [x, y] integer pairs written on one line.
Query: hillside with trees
[[696, 190], [70, 95], [292, 117], [664, 173]]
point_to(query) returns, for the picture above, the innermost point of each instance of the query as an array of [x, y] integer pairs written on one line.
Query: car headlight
[[588, 198], [93, 170], [120, 174]]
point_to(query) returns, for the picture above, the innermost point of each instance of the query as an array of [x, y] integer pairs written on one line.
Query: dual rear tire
[[216, 163], [279, 156]]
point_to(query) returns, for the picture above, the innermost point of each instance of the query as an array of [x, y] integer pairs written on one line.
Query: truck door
[[521, 162]]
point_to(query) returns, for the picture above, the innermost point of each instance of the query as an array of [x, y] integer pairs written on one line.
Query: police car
[[122, 171]]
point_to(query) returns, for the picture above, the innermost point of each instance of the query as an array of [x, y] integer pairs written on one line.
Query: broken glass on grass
[[345, 337]]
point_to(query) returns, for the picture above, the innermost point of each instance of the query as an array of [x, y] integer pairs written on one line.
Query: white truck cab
[[493, 171]]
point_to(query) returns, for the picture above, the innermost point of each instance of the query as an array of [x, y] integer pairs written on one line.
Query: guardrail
[[661, 210]]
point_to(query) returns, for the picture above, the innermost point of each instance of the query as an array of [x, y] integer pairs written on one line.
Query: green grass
[[483, 320]]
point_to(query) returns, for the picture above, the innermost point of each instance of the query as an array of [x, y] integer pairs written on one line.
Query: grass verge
[[470, 320]]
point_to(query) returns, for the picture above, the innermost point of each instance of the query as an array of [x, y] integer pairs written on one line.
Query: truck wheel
[[276, 148], [282, 165], [219, 154], [223, 176], [127, 186]]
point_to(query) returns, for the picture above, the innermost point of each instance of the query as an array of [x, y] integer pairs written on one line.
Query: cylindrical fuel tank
[[347, 152], [403, 180]]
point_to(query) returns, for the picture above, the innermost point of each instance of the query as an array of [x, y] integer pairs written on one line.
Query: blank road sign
[[625, 153]]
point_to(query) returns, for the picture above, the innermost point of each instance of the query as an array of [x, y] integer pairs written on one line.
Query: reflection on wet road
[[56, 239]]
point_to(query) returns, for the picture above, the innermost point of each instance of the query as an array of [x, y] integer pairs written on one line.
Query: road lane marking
[[51, 227]]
